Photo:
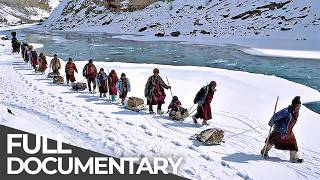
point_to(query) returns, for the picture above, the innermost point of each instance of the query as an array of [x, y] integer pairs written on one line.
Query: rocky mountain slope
[[213, 18], [14, 12]]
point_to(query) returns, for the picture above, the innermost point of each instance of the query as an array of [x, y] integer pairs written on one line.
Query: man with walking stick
[[154, 91], [282, 136]]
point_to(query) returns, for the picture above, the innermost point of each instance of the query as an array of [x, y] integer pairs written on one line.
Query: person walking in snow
[[282, 136], [42, 63], [102, 80], [33, 57], [112, 82], [123, 86], [55, 65], [90, 73], [24, 51], [15, 43], [154, 91], [203, 99], [70, 68]]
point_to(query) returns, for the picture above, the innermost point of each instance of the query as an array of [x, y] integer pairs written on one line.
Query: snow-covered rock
[[285, 19]]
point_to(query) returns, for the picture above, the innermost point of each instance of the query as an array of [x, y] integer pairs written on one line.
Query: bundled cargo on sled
[[135, 104], [58, 80], [79, 86], [212, 136]]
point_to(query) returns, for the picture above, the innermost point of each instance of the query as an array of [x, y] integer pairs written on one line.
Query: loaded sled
[[135, 104], [58, 80], [79, 86], [212, 136]]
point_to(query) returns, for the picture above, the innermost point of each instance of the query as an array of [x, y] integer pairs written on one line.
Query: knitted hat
[[101, 69], [156, 70], [113, 71], [123, 74], [90, 61], [213, 84], [70, 59], [175, 98], [296, 100]]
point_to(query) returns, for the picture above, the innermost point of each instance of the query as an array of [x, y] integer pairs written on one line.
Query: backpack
[[90, 70], [70, 69], [212, 136]]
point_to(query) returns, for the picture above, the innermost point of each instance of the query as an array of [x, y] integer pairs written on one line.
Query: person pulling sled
[[70, 68], [55, 65], [282, 137], [203, 99]]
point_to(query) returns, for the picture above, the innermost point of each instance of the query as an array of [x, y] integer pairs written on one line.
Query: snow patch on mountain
[[285, 19]]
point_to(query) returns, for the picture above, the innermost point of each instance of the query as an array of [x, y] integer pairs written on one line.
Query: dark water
[[102, 47]]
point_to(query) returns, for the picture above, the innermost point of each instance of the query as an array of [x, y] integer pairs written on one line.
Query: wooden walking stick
[[170, 87], [275, 109]]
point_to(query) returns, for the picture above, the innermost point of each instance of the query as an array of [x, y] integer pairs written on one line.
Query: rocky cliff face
[[215, 18]]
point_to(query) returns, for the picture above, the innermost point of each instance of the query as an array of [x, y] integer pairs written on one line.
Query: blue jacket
[[281, 120], [101, 77], [120, 85]]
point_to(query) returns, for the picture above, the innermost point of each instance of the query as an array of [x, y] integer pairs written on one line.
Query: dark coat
[[102, 80], [286, 141], [204, 98], [150, 93]]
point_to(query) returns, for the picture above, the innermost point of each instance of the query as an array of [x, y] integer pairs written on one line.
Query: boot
[[205, 123], [265, 150], [294, 157], [159, 112], [194, 119]]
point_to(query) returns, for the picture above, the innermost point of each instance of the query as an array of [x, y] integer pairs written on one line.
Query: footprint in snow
[[129, 123], [119, 119], [206, 157], [148, 133], [144, 127], [192, 148], [107, 130], [160, 136], [223, 163], [110, 138], [176, 143], [60, 100], [108, 117], [100, 112], [189, 171]]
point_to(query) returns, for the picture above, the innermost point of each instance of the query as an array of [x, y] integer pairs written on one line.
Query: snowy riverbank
[[243, 101]]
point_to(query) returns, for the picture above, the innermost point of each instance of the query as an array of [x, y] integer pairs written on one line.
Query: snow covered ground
[[243, 101]]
